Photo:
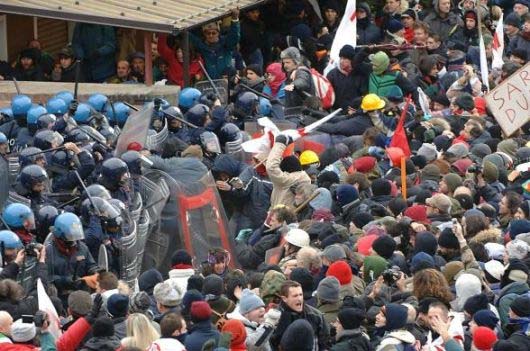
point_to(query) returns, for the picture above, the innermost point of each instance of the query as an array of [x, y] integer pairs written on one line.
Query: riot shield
[[13, 167], [156, 140], [28, 274], [14, 198], [154, 195], [128, 256], [4, 182], [221, 85], [103, 258]]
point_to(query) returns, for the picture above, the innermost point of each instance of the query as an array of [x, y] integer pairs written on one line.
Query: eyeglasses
[[210, 33]]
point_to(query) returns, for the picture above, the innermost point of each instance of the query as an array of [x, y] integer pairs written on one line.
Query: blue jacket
[[200, 333], [218, 57], [95, 45], [69, 181]]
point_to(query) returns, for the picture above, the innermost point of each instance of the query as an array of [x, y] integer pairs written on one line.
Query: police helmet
[[56, 106], [18, 216], [68, 227], [10, 240], [98, 102], [188, 97], [32, 175], [20, 105]]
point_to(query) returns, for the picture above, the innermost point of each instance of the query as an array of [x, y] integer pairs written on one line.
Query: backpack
[[222, 316], [323, 88]]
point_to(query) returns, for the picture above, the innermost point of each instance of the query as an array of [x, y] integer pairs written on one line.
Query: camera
[[31, 247], [40, 318], [391, 275], [475, 169]]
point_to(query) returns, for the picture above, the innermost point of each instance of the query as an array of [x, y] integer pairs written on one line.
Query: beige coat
[[282, 181]]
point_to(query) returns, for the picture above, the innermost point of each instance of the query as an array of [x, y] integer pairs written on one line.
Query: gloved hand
[[96, 307], [64, 283], [283, 139], [272, 317], [73, 107], [376, 151]]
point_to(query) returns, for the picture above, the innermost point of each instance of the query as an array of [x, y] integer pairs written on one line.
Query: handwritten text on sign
[[510, 101]]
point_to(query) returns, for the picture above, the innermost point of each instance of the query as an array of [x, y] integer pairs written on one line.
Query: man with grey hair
[[5, 326], [299, 83]]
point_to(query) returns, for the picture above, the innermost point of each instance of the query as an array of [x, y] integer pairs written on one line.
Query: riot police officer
[[178, 134], [20, 105], [31, 156], [65, 163], [20, 219], [31, 183], [188, 97], [69, 258], [115, 177], [245, 108]]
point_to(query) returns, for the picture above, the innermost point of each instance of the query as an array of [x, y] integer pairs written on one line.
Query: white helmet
[[297, 237]]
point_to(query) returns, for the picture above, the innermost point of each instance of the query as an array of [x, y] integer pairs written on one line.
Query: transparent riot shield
[[154, 193], [4, 182], [155, 141], [129, 265], [220, 84], [13, 167]]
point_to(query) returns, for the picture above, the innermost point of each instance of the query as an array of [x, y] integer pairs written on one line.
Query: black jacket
[[352, 339], [102, 343]]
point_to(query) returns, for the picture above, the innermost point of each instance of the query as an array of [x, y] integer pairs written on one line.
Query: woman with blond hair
[[140, 332]]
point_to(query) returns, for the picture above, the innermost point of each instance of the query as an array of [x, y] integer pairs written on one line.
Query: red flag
[[399, 139]]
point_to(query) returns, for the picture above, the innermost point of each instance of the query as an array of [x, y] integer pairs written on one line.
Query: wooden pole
[[186, 53], [148, 79]]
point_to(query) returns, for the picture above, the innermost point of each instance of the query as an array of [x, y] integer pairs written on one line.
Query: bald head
[[5, 322]]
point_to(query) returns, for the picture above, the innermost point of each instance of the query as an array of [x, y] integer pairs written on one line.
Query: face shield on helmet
[[210, 143], [68, 228], [97, 190], [47, 139], [109, 216], [33, 179]]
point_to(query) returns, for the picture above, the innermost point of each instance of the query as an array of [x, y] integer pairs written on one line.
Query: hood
[[490, 235], [366, 9], [403, 336], [227, 164], [181, 273], [103, 343]]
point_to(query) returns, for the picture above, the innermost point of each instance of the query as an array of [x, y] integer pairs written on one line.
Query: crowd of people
[[339, 238]]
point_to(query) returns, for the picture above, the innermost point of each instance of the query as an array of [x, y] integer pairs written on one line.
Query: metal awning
[[168, 16]]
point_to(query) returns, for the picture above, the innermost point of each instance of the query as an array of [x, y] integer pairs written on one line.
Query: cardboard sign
[[510, 101]]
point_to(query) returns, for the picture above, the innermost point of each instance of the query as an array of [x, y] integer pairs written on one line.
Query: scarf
[[279, 77], [182, 266]]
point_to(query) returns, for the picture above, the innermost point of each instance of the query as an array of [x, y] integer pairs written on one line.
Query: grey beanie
[[291, 53], [328, 289], [249, 302], [23, 332], [517, 249], [334, 253], [167, 295]]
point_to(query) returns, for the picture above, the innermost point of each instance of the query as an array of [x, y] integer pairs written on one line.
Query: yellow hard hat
[[372, 102], [308, 157]]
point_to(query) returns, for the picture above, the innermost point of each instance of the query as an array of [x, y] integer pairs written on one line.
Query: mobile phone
[[27, 318]]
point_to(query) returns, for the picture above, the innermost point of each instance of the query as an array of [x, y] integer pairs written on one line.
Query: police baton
[[260, 94], [16, 86], [210, 80], [189, 124], [77, 73], [87, 193]]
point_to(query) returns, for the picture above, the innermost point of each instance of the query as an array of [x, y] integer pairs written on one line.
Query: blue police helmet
[[66, 96], [7, 111], [15, 216], [20, 105], [57, 106], [3, 138], [34, 113], [10, 240], [98, 102], [118, 113], [68, 227], [189, 97], [82, 114]]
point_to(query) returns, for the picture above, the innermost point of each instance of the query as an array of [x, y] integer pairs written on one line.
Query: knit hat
[[213, 285], [517, 249], [340, 270], [373, 268], [304, 277], [323, 201], [519, 226], [494, 268], [271, 285], [461, 166], [148, 279], [189, 297], [333, 5], [334, 253], [522, 2], [466, 286], [238, 333], [80, 302], [23, 332], [328, 289], [299, 336], [195, 282], [509, 147], [139, 302], [476, 303], [409, 13], [167, 295], [521, 306], [351, 318], [211, 26], [361, 219], [103, 327], [346, 193], [256, 69], [465, 102], [200, 311], [31, 53], [290, 164], [486, 318], [451, 269], [431, 172], [118, 305], [484, 338], [426, 242], [490, 172], [396, 316], [364, 164], [448, 240], [381, 186], [291, 53], [429, 151], [348, 52], [249, 302], [442, 142], [441, 202], [453, 181], [384, 246], [380, 62], [480, 150], [512, 20], [180, 257], [394, 26], [421, 261], [418, 213]]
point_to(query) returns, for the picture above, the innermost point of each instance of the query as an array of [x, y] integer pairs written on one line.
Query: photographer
[[483, 177]]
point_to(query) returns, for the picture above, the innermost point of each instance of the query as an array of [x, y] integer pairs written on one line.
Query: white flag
[[46, 305], [346, 34], [498, 44], [483, 62]]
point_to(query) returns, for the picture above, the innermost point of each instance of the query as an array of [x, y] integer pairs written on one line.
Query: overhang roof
[[152, 15]]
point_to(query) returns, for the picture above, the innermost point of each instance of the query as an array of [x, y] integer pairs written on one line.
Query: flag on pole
[[46, 305], [498, 44], [483, 62], [399, 139], [346, 35]]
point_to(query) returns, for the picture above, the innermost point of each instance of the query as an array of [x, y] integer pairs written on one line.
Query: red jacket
[[176, 68], [17, 347], [71, 338]]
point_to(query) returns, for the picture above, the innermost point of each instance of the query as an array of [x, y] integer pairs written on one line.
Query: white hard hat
[[297, 237]]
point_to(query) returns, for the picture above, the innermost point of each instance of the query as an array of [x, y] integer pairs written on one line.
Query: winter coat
[[350, 126], [95, 45], [200, 333], [176, 68], [303, 85], [330, 310], [350, 337], [68, 74], [509, 293], [350, 87], [166, 344], [67, 182], [218, 57], [282, 181], [367, 32], [102, 343], [310, 314], [444, 27], [178, 278], [120, 327], [33, 74], [18, 347], [251, 256], [396, 337], [520, 42], [253, 200], [253, 37], [74, 335], [255, 333]]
